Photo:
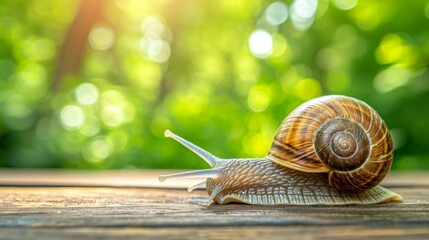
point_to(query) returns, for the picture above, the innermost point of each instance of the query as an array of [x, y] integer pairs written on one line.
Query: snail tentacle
[[214, 193], [216, 172], [196, 186], [205, 173], [211, 159]]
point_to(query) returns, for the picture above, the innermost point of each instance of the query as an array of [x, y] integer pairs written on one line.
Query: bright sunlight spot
[[276, 13], [72, 117], [86, 93], [302, 13], [102, 38], [260, 43]]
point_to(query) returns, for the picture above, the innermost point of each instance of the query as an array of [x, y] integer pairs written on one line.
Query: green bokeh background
[[222, 74]]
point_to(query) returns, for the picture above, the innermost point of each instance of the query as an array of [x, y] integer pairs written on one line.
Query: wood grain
[[41, 212]]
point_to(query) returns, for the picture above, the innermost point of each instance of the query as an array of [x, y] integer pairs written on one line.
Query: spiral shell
[[339, 135]]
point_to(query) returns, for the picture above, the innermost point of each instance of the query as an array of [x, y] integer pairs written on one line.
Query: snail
[[331, 150]]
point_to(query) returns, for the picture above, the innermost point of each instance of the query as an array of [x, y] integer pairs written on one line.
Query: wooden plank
[[264, 232], [112, 213], [103, 207]]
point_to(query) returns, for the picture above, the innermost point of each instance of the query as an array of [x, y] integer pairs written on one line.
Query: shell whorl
[[336, 134]]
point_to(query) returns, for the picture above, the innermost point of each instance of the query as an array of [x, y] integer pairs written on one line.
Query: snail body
[[332, 150]]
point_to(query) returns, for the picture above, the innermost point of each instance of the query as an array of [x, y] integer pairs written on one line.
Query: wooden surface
[[132, 205]]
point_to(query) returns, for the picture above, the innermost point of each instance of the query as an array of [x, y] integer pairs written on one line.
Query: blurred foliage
[[222, 74]]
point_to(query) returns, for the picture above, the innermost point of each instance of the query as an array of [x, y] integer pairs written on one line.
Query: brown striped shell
[[336, 134]]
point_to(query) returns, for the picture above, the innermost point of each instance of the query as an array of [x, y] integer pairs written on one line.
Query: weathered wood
[[141, 212], [246, 232]]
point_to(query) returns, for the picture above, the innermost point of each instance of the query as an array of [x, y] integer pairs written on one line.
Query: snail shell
[[336, 134]]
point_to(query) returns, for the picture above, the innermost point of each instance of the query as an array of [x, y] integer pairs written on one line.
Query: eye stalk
[[211, 159]]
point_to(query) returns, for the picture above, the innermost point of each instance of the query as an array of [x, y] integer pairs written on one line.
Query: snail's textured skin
[[262, 182], [332, 150], [295, 142]]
